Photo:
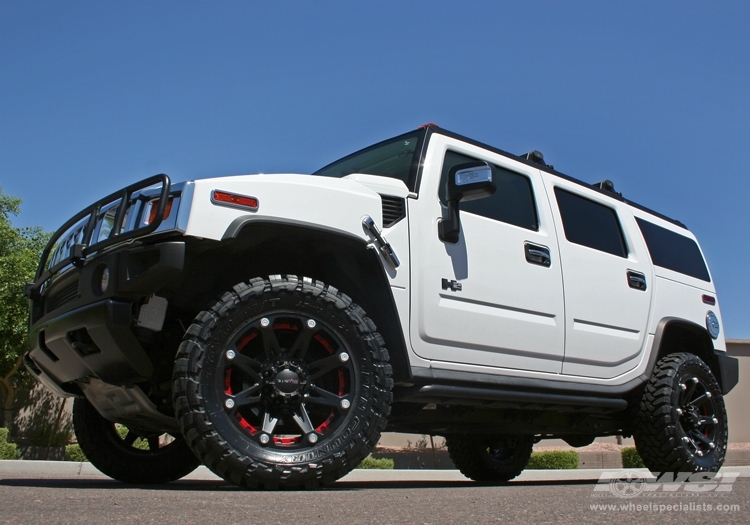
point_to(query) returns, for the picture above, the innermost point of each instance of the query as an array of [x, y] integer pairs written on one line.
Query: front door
[[494, 298]]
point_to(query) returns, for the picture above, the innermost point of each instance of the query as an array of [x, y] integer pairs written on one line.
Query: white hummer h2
[[272, 326]]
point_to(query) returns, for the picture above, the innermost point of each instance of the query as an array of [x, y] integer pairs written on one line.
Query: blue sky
[[654, 95]]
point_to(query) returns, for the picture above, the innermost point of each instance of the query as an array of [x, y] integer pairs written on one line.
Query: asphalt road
[[27, 499]]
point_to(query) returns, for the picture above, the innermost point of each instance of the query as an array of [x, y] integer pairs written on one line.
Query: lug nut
[[264, 438], [264, 322], [685, 439], [699, 453], [345, 404], [679, 411], [311, 323], [230, 354], [712, 445], [229, 403], [708, 395], [715, 421], [683, 386], [312, 438], [344, 357]]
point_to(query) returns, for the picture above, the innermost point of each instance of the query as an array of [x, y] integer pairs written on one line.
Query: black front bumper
[[79, 333]]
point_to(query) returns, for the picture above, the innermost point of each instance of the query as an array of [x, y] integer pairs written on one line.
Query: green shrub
[[631, 458], [74, 453], [371, 462], [139, 443], [553, 459], [7, 450]]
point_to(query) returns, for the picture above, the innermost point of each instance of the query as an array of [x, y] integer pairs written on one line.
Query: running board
[[494, 398]]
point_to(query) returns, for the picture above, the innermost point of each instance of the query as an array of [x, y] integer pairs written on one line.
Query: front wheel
[[282, 383], [489, 458], [681, 425], [128, 454]]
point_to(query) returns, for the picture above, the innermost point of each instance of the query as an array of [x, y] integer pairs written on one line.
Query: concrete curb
[[68, 469]]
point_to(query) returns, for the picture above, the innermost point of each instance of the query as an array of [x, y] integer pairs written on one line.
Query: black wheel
[[127, 454], [282, 383], [681, 425], [490, 458]]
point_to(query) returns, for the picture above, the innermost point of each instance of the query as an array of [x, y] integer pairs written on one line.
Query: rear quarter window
[[673, 251]]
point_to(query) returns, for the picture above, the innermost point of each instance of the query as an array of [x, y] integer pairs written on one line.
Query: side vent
[[394, 209]]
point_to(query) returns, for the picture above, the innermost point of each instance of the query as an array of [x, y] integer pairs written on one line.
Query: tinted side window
[[513, 202], [591, 224], [673, 251]]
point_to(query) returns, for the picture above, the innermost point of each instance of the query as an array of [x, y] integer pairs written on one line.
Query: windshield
[[397, 158]]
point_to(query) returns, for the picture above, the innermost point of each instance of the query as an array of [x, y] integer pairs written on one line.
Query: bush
[[631, 458], [7, 450], [139, 443], [553, 459], [371, 462], [74, 453]]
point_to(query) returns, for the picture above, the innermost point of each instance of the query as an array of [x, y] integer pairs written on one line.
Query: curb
[[67, 469]]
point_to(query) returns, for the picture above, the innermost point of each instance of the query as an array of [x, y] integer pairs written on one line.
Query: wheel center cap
[[287, 381]]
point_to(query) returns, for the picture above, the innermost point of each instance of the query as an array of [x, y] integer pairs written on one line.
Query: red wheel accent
[[228, 382], [244, 424], [320, 429], [285, 441], [285, 326], [323, 341], [246, 340]]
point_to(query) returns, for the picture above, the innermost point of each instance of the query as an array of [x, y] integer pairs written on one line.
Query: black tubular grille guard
[[116, 236]]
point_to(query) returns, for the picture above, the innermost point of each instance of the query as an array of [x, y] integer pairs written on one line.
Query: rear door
[[608, 281]]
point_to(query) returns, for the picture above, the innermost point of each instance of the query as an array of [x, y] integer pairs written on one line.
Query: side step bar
[[491, 398]]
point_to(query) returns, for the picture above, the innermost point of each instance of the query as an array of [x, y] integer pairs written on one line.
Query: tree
[[20, 249]]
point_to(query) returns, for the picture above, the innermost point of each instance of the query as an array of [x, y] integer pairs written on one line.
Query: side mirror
[[466, 182]]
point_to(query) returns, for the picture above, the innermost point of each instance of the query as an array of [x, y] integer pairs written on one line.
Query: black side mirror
[[466, 182]]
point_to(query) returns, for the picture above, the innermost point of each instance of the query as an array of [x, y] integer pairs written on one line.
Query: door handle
[[537, 254], [637, 280]]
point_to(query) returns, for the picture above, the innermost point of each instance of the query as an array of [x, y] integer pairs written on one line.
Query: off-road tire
[[115, 455], [681, 429], [488, 458], [239, 368]]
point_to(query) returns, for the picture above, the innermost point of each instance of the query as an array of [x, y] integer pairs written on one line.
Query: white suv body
[[548, 296]]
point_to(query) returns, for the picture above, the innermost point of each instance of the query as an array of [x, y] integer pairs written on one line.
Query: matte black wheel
[[681, 425], [282, 383], [490, 458], [127, 454]]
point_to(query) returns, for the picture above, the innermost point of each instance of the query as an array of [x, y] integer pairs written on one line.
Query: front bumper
[[79, 333]]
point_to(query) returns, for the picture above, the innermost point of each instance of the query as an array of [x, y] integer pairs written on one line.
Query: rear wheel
[[490, 458], [128, 454], [282, 383], [681, 424]]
